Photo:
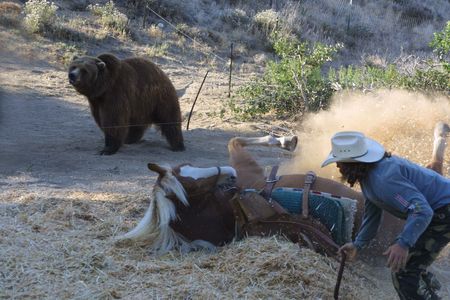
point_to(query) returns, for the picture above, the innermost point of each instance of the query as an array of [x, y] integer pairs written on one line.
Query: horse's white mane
[[154, 228]]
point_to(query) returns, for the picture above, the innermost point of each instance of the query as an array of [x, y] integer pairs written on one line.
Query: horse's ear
[[156, 168]]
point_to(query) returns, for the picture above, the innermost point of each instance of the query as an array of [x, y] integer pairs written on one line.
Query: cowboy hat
[[353, 146]]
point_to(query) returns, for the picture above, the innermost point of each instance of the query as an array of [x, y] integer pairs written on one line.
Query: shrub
[[65, 53], [158, 50], [370, 78], [430, 80], [110, 17], [10, 13], [293, 84], [155, 32], [365, 78], [235, 17], [40, 15], [266, 21], [441, 45]]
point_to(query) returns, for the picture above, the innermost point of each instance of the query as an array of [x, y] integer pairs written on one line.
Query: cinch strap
[[309, 181]]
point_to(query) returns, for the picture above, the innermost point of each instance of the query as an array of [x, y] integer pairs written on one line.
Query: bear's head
[[84, 73]]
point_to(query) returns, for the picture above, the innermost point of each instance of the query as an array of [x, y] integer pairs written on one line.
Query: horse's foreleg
[[441, 132]]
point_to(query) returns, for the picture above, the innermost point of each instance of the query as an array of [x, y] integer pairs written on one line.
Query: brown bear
[[127, 96]]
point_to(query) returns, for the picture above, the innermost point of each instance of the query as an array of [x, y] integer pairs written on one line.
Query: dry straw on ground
[[59, 246], [56, 243]]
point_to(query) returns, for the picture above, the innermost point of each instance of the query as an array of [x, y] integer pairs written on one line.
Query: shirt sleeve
[[370, 224], [400, 194]]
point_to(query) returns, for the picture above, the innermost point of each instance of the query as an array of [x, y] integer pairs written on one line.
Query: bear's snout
[[74, 76]]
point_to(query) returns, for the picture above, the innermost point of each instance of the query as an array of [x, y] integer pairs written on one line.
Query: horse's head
[[177, 199], [193, 180]]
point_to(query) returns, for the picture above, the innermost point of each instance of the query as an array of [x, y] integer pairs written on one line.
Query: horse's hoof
[[289, 142], [441, 130]]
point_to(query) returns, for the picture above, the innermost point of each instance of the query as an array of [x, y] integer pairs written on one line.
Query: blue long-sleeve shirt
[[407, 191]]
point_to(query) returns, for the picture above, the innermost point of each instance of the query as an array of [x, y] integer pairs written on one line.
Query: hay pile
[[58, 245]]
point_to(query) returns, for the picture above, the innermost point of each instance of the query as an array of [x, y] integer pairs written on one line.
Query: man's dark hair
[[353, 172]]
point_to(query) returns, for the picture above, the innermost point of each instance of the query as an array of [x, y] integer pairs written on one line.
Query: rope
[[139, 125]]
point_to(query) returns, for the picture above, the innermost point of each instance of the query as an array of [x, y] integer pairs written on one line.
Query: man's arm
[[370, 224]]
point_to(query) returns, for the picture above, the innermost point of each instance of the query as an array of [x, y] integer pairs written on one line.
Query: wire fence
[[345, 10]]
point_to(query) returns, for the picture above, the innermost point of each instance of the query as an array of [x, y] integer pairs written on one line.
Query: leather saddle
[[256, 213]]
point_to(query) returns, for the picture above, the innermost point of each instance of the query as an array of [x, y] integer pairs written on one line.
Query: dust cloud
[[401, 121]]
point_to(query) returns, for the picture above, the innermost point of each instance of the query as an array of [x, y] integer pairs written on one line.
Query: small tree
[[290, 85], [441, 45], [40, 15]]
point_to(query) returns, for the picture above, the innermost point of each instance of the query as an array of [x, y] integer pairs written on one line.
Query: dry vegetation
[[60, 247], [55, 234]]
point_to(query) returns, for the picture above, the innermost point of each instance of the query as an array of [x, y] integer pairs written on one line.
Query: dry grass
[[11, 8], [368, 27], [59, 246], [10, 14]]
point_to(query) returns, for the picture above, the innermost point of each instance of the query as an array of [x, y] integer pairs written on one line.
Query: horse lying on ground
[[188, 211]]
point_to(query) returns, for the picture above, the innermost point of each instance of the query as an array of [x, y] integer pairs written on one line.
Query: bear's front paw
[[177, 148], [108, 151]]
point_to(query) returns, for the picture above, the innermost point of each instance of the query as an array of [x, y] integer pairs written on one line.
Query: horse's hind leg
[[441, 131], [284, 142], [249, 173]]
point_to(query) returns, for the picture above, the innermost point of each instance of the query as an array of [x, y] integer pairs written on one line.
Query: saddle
[[258, 214]]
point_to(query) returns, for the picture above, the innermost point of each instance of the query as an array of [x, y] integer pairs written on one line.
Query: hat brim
[[375, 153]]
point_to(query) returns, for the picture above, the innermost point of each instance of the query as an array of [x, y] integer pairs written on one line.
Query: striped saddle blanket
[[336, 213]]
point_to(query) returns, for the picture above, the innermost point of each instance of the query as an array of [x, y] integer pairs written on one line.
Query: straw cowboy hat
[[353, 146]]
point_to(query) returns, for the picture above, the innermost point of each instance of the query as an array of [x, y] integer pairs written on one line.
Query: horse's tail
[[154, 228]]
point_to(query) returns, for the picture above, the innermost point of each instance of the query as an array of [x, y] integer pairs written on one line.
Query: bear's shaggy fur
[[125, 97]]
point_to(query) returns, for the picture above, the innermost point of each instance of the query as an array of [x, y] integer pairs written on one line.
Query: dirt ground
[[61, 202]]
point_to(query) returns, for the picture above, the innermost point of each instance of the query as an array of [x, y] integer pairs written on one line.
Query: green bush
[[291, 85], [110, 17], [365, 78], [296, 83], [370, 78], [430, 80], [441, 45], [40, 15]]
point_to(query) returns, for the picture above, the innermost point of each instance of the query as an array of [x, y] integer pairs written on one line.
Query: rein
[[339, 277]]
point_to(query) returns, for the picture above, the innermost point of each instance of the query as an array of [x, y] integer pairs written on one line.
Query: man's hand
[[349, 250], [398, 256]]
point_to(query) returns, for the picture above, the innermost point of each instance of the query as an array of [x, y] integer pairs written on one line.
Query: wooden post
[[349, 15], [231, 66], [193, 104]]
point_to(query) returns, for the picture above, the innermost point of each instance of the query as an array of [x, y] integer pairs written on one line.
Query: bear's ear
[[101, 65], [74, 57]]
